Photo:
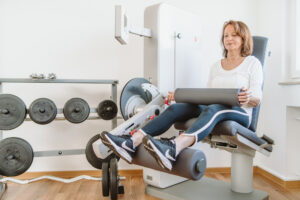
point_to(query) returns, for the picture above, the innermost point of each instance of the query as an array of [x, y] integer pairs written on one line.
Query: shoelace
[[125, 136], [167, 141]]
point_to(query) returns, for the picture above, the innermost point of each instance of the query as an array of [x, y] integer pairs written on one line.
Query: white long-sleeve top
[[248, 74]]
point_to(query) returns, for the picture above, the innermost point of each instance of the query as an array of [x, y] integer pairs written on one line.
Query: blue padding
[[229, 128], [259, 51], [232, 128]]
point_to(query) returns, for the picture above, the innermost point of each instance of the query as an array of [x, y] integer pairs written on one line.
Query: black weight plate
[[107, 109], [76, 110], [42, 111], [16, 156], [133, 87], [105, 179], [113, 179], [91, 156], [12, 111]]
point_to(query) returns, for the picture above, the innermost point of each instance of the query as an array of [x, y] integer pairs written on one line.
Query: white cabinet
[[293, 141]]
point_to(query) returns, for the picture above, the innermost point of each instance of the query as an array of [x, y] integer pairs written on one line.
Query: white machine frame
[[142, 114], [161, 59], [123, 27]]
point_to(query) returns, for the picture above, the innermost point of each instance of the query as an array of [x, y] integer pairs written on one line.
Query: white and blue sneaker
[[163, 150], [120, 145]]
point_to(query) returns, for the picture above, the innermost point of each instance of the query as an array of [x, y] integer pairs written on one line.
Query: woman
[[238, 69]]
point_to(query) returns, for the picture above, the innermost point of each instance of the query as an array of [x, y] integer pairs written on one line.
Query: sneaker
[[120, 145], [163, 150]]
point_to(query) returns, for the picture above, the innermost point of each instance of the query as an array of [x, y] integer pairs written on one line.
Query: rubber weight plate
[[76, 110], [91, 156], [42, 111], [107, 109], [12, 111], [16, 156], [105, 179], [133, 87], [113, 179]]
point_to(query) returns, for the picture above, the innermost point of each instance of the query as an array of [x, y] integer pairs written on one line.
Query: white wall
[[274, 23], [75, 39]]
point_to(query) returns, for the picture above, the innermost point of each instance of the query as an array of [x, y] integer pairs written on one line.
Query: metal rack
[[113, 84]]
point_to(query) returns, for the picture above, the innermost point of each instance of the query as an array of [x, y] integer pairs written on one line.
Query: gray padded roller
[[207, 96], [191, 163]]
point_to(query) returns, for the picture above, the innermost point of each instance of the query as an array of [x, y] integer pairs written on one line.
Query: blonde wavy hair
[[243, 31]]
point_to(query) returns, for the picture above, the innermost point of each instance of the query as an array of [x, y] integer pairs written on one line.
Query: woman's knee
[[181, 111], [213, 109], [216, 107], [171, 108], [177, 107]]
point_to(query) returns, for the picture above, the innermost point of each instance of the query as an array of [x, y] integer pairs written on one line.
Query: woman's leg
[[165, 152], [125, 145], [207, 120], [174, 113]]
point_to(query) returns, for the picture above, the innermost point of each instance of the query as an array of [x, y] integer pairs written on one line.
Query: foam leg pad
[[190, 163], [207, 96]]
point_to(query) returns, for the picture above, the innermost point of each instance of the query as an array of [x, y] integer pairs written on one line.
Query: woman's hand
[[170, 96], [244, 96]]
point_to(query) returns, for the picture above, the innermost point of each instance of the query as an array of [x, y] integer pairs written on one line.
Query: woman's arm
[[170, 97], [245, 98], [253, 102], [252, 96]]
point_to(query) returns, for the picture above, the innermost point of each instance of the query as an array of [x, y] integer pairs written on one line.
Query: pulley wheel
[[12, 111], [113, 179], [91, 156], [105, 179], [133, 88], [107, 109], [76, 110], [16, 156], [42, 111]]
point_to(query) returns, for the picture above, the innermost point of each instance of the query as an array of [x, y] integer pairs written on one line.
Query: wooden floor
[[134, 189]]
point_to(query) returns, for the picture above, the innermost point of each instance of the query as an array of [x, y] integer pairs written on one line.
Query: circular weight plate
[[133, 87], [107, 109], [12, 111], [133, 104], [76, 110], [105, 179], [91, 156], [113, 179], [42, 111], [16, 156]]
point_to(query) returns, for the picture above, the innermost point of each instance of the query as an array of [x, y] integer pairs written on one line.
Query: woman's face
[[232, 41]]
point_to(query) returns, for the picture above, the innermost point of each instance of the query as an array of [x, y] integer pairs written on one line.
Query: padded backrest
[[260, 52]]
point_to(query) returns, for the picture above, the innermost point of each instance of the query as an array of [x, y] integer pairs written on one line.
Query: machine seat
[[229, 128]]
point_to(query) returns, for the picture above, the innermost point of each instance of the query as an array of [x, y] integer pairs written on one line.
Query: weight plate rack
[[113, 97]]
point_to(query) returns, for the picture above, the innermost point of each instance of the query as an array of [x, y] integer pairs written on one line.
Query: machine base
[[205, 188]]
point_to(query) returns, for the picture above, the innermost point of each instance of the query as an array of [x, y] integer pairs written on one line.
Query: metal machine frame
[[113, 84]]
